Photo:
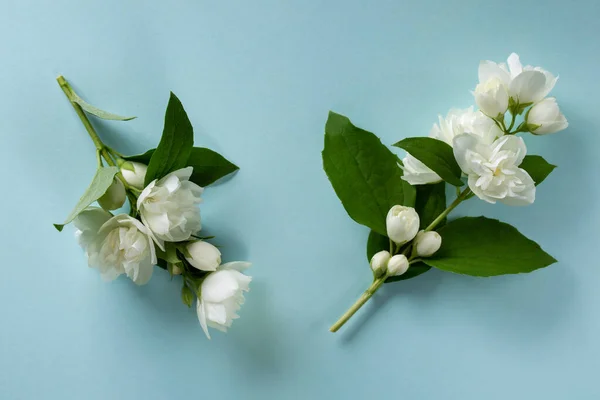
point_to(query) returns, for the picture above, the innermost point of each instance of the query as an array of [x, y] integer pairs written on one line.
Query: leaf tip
[[59, 227]]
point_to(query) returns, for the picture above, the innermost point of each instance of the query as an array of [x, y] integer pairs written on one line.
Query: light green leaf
[[363, 172], [209, 166], [95, 110], [435, 154], [175, 145], [486, 247], [431, 202], [100, 183], [537, 168]]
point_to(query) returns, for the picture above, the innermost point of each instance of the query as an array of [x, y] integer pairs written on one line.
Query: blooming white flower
[[524, 84], [116, 245], [134, 173], [114, 197], [397, 265], [222, 294], [491, 97], [402, 224], [545, 117], [169, 207], [456, 122], [493, 169], [427, 243], [203, 255], [379, 261]]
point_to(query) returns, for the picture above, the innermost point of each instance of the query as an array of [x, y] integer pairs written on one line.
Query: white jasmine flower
[[397, 265], [116, 245], [427, 244], [524, 84], [203, 256], [134, 173], [402, 224], [493, 169], [379, 261], [222, 294], [545, 117], [169, 207]]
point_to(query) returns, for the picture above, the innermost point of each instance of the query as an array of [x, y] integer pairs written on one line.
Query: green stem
[[359, 303], [100, 146], [462, 196], [512, 123]]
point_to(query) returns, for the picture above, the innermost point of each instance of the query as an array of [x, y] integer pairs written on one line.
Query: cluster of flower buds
[[402, 225]]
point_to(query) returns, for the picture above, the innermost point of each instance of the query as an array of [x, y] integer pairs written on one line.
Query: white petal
[[514, 63], [216, 312], [489, 69], [202, 317], [512, 144], [463, 145], [219, 285], [236, 265], [528, 87]]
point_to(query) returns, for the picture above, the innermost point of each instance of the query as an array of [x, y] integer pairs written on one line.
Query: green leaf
[[100, 183], [413, 271], [175, 145], [435, 154], [363, 172], [537, 168], [170, 253], [480, 246], [95, 110], [376, 243], [141, 158], [186, 295], [209, 166], [431, 202]]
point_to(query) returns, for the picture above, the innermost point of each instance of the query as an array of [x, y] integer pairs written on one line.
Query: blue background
[[257, 79]]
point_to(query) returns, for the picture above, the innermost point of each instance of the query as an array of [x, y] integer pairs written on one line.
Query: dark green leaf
[[537, 168], [100, 183], [431, 202], [481, 246], [376, 243], [209, 166], [363, 172], [413, 271], [175, 145], [435, 154], [141, 158]]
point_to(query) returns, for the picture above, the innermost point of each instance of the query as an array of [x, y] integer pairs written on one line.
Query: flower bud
[[402, 224], [545, 117], [175, 270], [491, 97], [203, 256], [397, 265], [114, 197], [379, 262], [427, 243], [134, 173]]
